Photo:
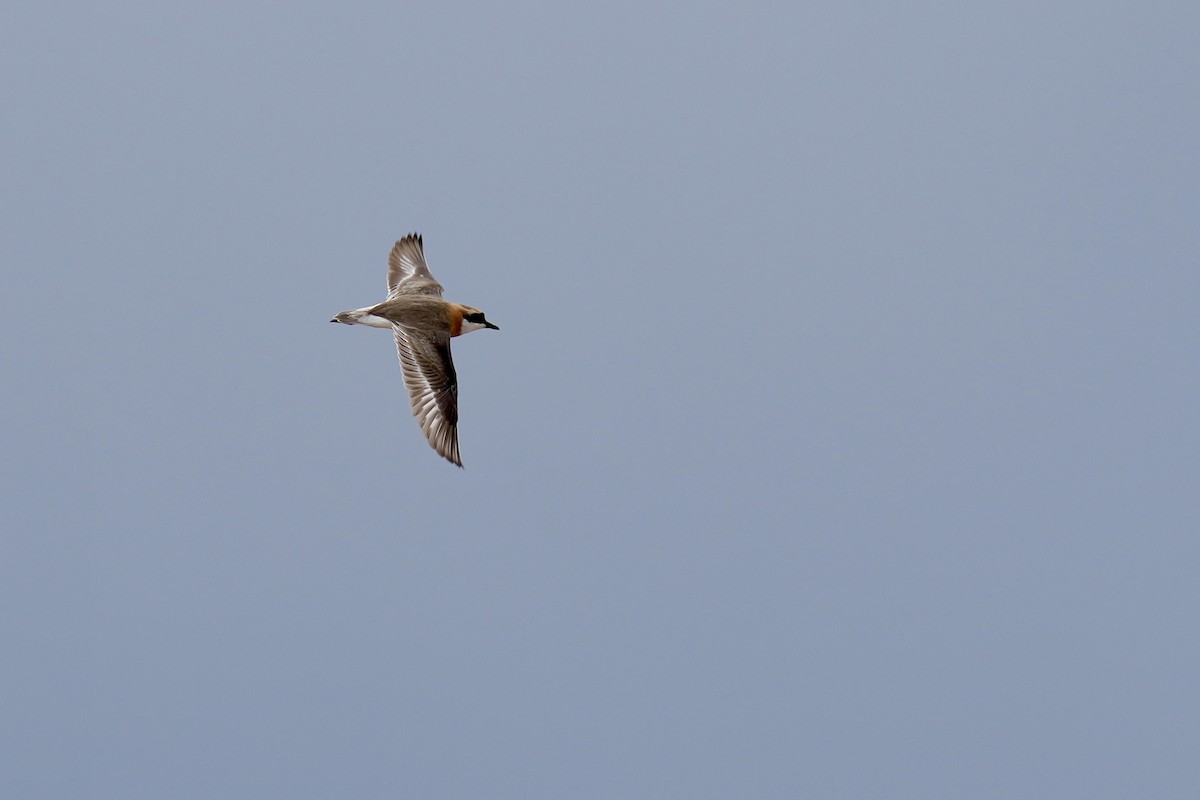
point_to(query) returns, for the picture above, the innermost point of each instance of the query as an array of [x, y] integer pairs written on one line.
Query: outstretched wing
[[407, 271], [432, 387]]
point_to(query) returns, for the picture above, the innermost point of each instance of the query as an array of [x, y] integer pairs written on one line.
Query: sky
[[840, 438]]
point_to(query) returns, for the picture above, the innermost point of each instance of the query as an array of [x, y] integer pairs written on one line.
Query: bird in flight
[[423, 324]]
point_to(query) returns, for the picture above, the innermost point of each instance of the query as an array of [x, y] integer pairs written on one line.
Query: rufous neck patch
[[456, 319]]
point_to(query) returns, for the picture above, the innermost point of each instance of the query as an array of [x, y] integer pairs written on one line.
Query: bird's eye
[[474, 317]]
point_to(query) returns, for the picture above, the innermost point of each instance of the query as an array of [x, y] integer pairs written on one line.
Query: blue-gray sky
[[840, 439]]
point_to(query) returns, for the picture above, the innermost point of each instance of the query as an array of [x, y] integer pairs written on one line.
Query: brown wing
[[432, 387], [407, 271]]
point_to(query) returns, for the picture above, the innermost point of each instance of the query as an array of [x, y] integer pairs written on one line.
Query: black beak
[[487, 324]]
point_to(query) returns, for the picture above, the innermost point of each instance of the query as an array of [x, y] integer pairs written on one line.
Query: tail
[[361, 316]]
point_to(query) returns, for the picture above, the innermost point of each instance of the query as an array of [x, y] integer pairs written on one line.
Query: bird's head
[[473, 320]]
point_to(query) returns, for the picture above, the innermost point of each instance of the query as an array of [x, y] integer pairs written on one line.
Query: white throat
[[468, 326]]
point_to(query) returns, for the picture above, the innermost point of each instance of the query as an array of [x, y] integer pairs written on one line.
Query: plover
[[423, 324]]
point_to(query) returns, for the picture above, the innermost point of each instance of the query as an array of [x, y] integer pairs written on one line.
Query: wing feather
[[432, 387], [407, 271]]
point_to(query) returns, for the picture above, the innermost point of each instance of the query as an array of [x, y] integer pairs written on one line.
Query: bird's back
[[423, 312]]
